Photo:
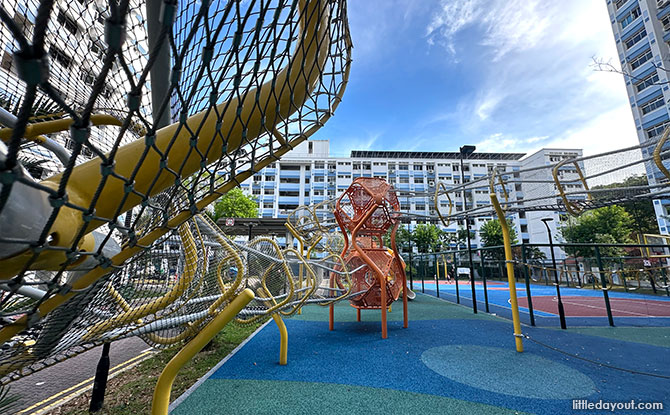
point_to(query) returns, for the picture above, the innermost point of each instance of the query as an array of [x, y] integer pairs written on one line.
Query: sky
[[504, 75]]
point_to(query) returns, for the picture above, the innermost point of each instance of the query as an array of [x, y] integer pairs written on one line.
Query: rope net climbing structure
[[122, 121]]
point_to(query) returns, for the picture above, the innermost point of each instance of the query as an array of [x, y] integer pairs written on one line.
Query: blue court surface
[[448, 361], [583, 307]]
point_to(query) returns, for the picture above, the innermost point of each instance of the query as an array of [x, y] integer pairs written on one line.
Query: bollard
[[486, 293], [527, 278], [603, 283]]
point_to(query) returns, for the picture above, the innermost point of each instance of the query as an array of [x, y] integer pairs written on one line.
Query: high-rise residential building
[[642, 32], [308, 175]]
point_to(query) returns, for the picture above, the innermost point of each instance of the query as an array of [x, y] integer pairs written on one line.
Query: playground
[[107, 230], [447, 361]]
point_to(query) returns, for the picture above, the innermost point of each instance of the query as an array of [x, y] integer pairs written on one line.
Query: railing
[[628, 275]]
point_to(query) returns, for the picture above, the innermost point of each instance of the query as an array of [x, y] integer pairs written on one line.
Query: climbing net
[[123, 121]]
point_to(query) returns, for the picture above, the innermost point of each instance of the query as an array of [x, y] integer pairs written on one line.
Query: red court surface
[[577, 306]]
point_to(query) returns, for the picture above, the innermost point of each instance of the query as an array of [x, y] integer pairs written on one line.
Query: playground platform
[[448, 361]]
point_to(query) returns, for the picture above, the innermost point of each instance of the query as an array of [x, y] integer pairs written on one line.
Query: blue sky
[[505, 75]]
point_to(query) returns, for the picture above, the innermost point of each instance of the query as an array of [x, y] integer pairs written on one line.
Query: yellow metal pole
[[510, 273], [161, 399], [283, 339]]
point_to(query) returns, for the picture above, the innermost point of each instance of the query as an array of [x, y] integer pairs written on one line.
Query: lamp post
[[561, 311], [465, 152]]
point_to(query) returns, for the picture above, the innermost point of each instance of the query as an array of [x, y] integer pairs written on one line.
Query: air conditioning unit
[[661, 3]]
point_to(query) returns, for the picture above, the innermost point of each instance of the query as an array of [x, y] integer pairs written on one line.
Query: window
[[87, 77], [404, 180], [256, 191], [319, 165], [456, 167], [418, 167], [619, 3], [268, 205], [637, 36], [418, 180], [24, 24], [420, 207], [60, 56], [652, 105], [665, 21], [7, 61], [289, 193], [403, 167], [311, 147], [318, 179], [290, 167], [67, 23], [269, 191], [289, 180], [640, 59], [647, 81], [306, 180], [269, 178], [357, 166], [656, 130], [630, 16], [367, 166]]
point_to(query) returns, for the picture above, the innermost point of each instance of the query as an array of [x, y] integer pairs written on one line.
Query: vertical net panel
[[122, 121]]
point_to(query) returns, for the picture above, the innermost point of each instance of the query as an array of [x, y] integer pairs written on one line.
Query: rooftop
[[433, 155]]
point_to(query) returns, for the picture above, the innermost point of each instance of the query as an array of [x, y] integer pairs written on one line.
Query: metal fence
[[637, 278]]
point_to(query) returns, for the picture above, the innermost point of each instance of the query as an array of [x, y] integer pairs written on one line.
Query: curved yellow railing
[[161, 398], [511, 281]]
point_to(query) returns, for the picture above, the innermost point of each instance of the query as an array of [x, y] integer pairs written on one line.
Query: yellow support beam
[[161, 399], [283, 339], [510, 273]]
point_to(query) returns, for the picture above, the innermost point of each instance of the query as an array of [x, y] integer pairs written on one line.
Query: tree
[[235, 204], [427, 238], [606, 225], [491, 235], [460, 237], [402, 237], [641, 211]]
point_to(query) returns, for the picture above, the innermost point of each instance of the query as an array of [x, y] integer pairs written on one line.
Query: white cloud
[[509, 25], [609, 131]]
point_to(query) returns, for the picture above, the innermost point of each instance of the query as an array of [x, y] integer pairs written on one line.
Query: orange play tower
[[365, 212]]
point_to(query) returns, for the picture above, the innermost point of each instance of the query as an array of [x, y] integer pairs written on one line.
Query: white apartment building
[[642, 34], [308, 175]]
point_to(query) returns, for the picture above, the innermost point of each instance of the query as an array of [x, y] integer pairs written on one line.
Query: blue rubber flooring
[[449, 361]]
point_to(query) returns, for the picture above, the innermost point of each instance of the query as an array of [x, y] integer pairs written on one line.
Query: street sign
[[230, 221]]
